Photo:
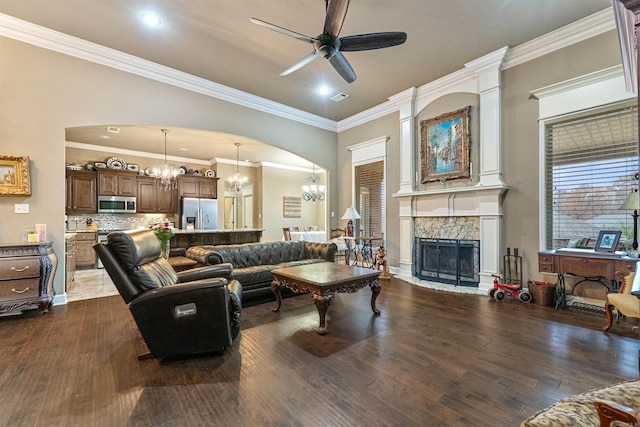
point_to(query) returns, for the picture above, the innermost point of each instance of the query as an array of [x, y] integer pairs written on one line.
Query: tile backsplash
[[116, 221]]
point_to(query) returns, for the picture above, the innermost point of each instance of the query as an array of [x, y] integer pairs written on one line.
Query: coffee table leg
[[322, 304], [375, 291], [275, 288]]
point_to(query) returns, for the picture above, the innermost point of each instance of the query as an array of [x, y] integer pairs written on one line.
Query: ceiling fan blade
[[284, 31], [343, 67], [336, 11], [371, 41], [304, 61]]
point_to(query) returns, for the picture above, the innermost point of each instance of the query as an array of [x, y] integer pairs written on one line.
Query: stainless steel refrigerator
[[198, 214]]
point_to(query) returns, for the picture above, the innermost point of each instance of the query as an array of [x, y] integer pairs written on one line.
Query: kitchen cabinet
[[155, 199], [197, 186], [71, 255], [81, 192], [85, 255], [113, 182], [26, 276]]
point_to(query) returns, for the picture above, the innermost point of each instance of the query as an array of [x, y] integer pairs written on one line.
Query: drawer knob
[[26, 267], [19, 292]]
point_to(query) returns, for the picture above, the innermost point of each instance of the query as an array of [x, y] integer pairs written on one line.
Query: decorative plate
[[197, 172], [100, 165], [148, 171], [116, 163], [182, 170], [210, 173], [133, 167], [74, 167]]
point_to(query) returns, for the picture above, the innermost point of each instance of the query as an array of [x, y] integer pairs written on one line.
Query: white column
[[406, 104], [488, 69], [406, 235]]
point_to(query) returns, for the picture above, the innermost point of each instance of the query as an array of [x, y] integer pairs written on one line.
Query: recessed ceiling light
[[184, 149], [105, 137], [324, 90], [151, 19]]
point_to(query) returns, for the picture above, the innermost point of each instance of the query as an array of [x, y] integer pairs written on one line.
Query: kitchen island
[[187, 238]]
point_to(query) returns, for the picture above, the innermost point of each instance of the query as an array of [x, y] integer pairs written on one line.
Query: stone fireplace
[[467, 218], [460, 209]]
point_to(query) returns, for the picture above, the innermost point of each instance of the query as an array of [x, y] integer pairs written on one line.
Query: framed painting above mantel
[[445, 146], [14, 175]]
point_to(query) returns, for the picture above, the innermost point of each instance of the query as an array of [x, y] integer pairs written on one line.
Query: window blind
[[370, 199], [590, 167]]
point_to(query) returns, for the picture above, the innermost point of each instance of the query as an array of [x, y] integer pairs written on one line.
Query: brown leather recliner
[[190, 312]]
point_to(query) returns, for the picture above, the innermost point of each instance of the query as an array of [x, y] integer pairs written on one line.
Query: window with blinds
[[590, 168], [369, 199]]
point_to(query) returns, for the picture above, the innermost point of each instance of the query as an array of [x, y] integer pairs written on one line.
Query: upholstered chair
[[625, 300], [193, 311]]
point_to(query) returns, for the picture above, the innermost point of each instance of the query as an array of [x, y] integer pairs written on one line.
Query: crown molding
[[36, 35], [46, 38], [583, 29], [380, 110], [124, 151]]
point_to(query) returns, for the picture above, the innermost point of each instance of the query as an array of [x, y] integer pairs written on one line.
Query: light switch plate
[[21, 208]]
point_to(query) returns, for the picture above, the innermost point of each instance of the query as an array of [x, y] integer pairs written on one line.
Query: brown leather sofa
[[194, 311], [253, 262]]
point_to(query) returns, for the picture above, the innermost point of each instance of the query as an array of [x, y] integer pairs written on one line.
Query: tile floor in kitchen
[[87, 284]]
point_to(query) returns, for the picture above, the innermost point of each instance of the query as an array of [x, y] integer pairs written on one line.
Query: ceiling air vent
[[339, 97], [113, 129]]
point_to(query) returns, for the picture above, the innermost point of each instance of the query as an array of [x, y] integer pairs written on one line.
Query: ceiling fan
[[330, 46]]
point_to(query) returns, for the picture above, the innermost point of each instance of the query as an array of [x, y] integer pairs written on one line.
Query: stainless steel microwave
[[116, 204]]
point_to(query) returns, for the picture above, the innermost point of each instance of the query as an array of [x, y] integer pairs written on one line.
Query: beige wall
[[388, 126], [279, 183], [43, 92], [520, 138], [520, 142]]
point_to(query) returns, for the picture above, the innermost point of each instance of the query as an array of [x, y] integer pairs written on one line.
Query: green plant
[[164, 232]]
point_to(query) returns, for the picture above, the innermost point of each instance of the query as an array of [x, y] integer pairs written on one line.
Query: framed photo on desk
[[607, 241]]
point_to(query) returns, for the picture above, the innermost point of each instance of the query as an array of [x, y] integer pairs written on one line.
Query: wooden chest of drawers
[[26, 276]]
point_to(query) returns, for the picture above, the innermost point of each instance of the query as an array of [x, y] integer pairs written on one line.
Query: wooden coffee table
[[323, 280]]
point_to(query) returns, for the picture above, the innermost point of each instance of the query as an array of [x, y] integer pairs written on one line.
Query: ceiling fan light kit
[[330, 46]]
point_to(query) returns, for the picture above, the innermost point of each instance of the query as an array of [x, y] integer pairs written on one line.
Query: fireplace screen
[[448, 261]]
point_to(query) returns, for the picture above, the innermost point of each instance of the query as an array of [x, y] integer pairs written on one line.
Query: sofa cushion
[[253, 274], [579, 410]]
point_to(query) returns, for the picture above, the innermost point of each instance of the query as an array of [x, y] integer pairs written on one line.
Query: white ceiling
[[215, 40]]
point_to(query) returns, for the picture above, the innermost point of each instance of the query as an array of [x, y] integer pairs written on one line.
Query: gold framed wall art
[[445, 146], [14, 175]]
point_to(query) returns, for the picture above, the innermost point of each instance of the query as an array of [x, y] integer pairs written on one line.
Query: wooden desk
[[586, 264]]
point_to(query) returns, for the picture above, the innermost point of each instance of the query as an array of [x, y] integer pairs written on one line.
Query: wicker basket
[[542, 293]]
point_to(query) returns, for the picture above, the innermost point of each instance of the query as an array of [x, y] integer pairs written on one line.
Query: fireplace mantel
[[479, 201]]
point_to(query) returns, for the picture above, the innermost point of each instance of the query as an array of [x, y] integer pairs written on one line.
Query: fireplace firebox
[[450, 261]]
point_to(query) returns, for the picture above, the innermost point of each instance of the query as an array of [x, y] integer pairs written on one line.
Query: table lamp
[[351, 213], [633, 202]]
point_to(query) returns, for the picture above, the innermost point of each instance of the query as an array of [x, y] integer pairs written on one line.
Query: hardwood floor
[[431, 359]]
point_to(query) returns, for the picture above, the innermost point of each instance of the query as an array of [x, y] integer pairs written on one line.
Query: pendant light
[[313, 192], [165, 174], [237, 181]]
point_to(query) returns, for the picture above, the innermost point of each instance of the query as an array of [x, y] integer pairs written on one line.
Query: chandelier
[[165, 174], [313, 192], [237, 181]]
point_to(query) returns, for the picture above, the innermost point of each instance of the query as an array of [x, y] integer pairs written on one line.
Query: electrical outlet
[[21, 208]]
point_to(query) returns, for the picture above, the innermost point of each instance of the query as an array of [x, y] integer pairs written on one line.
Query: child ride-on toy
[[500, 290], [513, 279]]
